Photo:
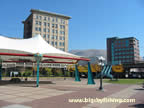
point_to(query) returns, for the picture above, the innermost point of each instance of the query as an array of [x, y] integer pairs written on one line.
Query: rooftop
[[50, 13]]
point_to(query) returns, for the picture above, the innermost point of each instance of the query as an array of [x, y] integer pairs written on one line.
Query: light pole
[[101, 60], [65, 68]]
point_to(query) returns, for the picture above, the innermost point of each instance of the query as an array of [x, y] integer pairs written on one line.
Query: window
[[39, 29], [47, 35], [56, 37], [48, 30], [36, 22], [55, 43], [56, 26], [36, 16], [56, 31], [63, 44], [39, 23], [63, 38], [53, 19], [44, 23], [36, 28], [40, 17], [48, 18], [52, 43], [60, 37], [60, 44], [44, 29], [53, 30], [62, 26], [48, 24], [44, 36], [62, 21], [45, 18], [52, 25], [52, 37], [56, 19]]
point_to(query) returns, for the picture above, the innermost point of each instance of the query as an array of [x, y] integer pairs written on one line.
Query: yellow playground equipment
[[95, 68]]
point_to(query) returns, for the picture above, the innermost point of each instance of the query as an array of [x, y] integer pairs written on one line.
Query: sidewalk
[[57, 94]]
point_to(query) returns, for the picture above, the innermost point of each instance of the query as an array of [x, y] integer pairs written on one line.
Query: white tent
[[31, 46]]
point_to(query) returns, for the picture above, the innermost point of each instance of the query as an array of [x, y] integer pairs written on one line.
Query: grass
[[125, 81]]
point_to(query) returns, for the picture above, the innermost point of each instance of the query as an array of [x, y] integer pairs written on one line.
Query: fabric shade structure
[[34, 49], [24, 49]]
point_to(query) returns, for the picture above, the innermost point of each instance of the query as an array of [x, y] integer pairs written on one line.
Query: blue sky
[[92, 20]]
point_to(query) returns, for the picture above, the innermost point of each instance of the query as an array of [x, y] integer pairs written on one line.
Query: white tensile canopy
[[24, 49]]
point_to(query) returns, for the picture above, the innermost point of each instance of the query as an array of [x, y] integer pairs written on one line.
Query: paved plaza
[[56, 93]]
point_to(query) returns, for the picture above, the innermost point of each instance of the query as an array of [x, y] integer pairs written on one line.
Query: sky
[[92, 20]]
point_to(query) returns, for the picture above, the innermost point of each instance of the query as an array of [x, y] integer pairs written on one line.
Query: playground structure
[[96, 69]]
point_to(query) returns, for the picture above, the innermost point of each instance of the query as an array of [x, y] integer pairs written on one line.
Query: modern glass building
[[122, 50]]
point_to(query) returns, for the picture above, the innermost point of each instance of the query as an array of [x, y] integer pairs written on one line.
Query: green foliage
[[27, 73], [125, 81]]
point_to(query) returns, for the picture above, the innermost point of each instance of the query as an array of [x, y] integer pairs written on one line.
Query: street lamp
[[101, 63], [65, 69]]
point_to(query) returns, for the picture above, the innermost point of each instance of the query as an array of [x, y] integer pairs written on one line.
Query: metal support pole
[[101, 86], [90, 76], [77, 78], [0, 68], [0, 71], [38, 58], [37, 73], [101, 77]]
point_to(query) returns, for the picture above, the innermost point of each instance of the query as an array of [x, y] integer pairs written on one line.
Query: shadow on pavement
[[138, 106], [24, 83], [139, 89]]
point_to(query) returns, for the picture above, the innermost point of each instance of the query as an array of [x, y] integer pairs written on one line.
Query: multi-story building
[[51, 26], [122, 50]]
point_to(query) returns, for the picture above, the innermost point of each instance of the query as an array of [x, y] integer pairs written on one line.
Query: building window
[[56, 31], [60, 44], [62, 27], [36, 28], [52, 37], [60, 38], [48, 30], [52, 43], [53, 30], [44, 29], [56, 26], [48, 24], [36, 22], [55, 43], [44, 23], [39, 29], [62, 21], [56, 37], [40, 17], [44, 36], [45, 18], [56, 19], [52, 25], [63, 44], [39, 23], [53, 19], [47, 35], [36, 16]]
